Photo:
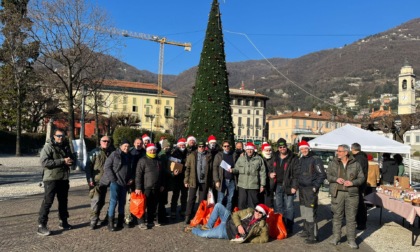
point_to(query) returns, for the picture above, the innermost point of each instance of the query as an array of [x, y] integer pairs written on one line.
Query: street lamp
[[151, 125], [396, 126]]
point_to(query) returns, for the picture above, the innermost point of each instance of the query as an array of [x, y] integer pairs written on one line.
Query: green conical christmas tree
[[210, 104]]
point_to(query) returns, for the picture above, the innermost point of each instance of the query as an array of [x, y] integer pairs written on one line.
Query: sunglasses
[[59, 136], [201, 146], [105, 141], [226, 146], [282, 147], [258, 211]]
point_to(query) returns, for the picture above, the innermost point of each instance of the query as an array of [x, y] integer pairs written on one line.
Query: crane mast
[[162, 41]]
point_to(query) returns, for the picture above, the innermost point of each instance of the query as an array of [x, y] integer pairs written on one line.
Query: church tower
[[406, 91]]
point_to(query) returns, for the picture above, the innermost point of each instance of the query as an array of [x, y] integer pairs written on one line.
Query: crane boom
[[162, 41]]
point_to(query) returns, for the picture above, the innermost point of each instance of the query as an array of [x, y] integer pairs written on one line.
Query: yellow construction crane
[[162, 41]]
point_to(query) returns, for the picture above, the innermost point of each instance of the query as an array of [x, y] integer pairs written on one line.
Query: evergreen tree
[[17, 54], [210, 105]]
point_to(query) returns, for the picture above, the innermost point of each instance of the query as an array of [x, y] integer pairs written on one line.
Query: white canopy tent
[[370, 142]]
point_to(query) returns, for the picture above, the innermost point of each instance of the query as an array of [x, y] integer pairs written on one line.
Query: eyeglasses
[[105, 141], [340, 151], [59, 136], [201, 146], [282, 147], [226, 146], [258, 211]]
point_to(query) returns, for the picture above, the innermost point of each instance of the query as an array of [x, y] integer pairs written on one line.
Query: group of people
[[237, 176]]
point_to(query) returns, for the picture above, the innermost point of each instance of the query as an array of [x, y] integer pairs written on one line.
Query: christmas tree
[[210, 104]]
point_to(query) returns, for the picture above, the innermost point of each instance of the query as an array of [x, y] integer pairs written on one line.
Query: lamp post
[[396, 127], [80, 157], [151, 125]]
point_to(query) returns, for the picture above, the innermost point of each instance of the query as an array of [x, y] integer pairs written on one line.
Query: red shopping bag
[[276, 227], [137, 204], [200, 214]]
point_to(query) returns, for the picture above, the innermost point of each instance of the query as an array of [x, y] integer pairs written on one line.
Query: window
[[239, 101], [167, 102], [135, 109], [257, 122], [125, 100], [279, 124], [287, 122], [407, 139], [257, 112], [147, 110], [239, 111], [313, 124], [248, 121], [304, 123], [297, 123], [417, 139], [134, 100], [147, 101], [327, 125], [167, 111], [248, 103], [249, 112], [273, 136], [404, 84], [157, 101], [124, 108]]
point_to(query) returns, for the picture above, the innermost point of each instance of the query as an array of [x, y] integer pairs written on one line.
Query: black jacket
[[149, 174], [290, 168], [118, 168], [389, 170], [361, 157], [312, 173]]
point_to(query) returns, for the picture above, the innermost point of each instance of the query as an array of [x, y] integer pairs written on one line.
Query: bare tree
[[72, 43]]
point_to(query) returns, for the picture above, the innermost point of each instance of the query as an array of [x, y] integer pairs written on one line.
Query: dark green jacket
[[353, 172], [52, 159], [95, 164], [258, 232]]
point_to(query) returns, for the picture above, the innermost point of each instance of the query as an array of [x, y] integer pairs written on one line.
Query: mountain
[[373, 63]]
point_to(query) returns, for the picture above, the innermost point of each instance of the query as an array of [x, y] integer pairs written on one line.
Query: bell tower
[[406, 90]]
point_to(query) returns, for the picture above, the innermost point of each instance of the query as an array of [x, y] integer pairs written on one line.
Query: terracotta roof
[[135, 87], [380, 113], [324, 116]]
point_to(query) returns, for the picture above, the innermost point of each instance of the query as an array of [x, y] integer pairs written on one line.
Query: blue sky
[[277, 28]]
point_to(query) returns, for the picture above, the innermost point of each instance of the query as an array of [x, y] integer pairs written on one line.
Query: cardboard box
[[176, 166], [404, 182]]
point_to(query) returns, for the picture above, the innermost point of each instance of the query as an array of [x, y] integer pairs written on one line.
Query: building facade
[[290, 125], [248, 114], [140, 100]]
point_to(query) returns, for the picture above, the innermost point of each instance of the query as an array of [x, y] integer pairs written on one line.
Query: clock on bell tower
[[406, 91]]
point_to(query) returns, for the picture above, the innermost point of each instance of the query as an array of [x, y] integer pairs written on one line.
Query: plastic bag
[[210, 198], [137, 204], [276, 227], [202, 215]]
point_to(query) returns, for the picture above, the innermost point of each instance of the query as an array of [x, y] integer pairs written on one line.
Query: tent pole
[[409, 166]]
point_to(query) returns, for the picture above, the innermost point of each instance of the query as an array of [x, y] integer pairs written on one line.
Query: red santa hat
[[262, 208], [145, 137], [265, 145], [150, 146], [181, 141], [211, 139], [191, 138], [249, 146], [303, 144]]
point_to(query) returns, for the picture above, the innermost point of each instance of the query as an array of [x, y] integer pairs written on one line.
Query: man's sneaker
[[188, 229], [64, 225], [238, 240], [150, 225], [142, 226], [104, 222], [43, 230], [353, 245], [93, 224]]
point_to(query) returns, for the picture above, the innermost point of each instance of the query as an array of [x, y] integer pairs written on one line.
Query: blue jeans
[[218, 232], [284, 203], [117, 196], [229, 186]]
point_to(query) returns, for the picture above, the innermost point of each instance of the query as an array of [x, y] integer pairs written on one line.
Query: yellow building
[[289, 125], [138, 99]]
